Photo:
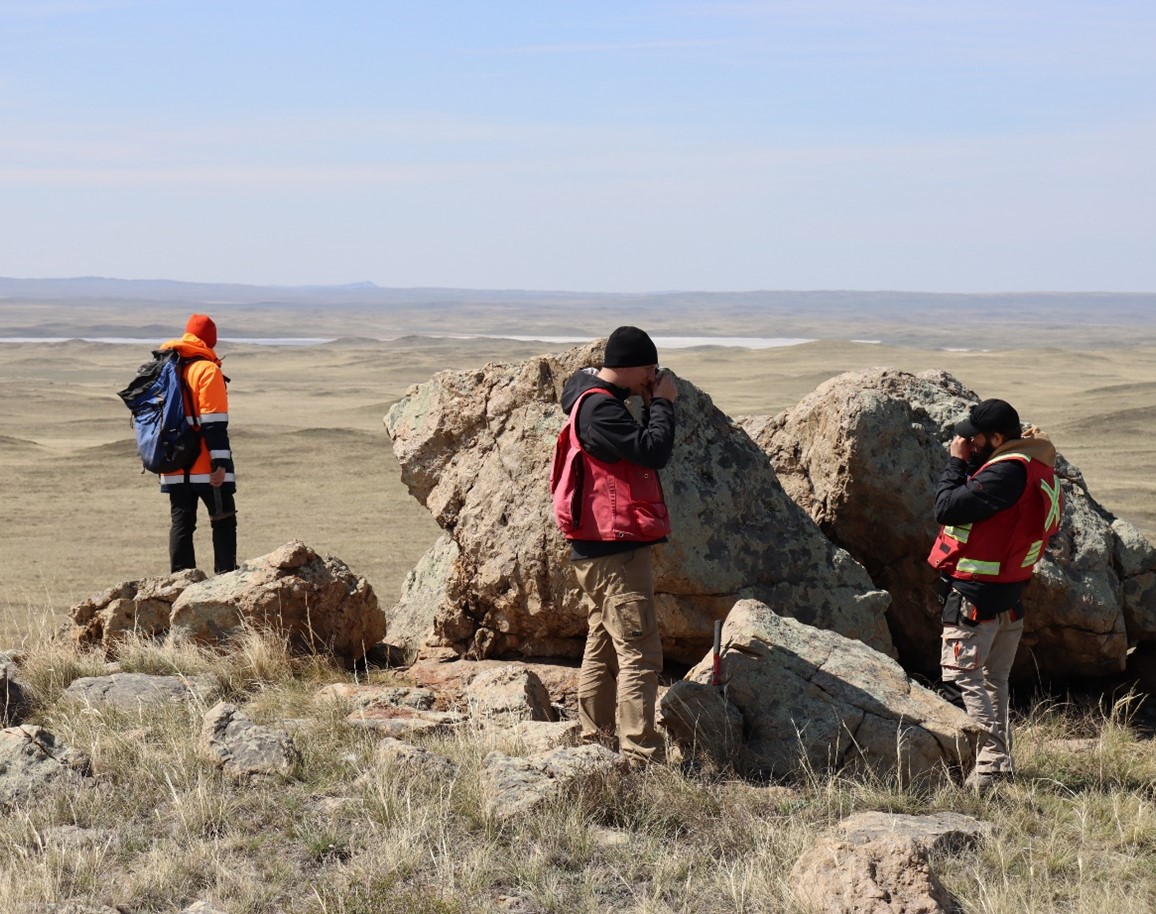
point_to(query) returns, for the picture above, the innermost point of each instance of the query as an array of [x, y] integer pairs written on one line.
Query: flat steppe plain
[[314, 462]]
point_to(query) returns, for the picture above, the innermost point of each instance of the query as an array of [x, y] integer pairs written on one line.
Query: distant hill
[[152, 309]]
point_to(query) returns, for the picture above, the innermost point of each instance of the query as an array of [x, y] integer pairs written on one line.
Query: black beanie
[[629, 347]]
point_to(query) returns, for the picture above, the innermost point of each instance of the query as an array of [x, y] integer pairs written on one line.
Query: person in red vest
[[999, 503], [210, 479], [614, 514]]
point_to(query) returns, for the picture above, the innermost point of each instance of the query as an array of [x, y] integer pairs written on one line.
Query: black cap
[[990, 416], [629, 347]]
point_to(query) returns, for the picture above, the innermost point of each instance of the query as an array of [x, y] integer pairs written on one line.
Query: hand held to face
[[960, 447], [665, 387]]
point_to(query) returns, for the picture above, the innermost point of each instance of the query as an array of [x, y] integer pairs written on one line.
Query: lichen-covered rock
[[33, 762], [812, 700], [475, 448], [317, 601], [863, 454], [245, 749], [131, 691]]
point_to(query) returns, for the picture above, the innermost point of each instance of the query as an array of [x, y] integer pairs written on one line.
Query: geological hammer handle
[[716, 656]]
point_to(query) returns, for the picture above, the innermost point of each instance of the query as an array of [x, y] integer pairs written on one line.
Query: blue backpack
[[166, 439]]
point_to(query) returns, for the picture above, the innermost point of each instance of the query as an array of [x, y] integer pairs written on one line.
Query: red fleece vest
[[596, 500]]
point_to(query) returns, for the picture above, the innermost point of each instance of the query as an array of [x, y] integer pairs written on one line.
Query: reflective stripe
[[225, 455], [1033, 555], [1052, 493], [214, 417], [959, 534], [1011, 455], [975, 566], [172, 479]]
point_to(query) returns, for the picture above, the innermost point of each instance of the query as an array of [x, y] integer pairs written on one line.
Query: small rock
[[32, 762], [245, 749], [508, 695], [935, 833], [414, 758], [134, 690], [512, 786], [378, 696], [536, 736]]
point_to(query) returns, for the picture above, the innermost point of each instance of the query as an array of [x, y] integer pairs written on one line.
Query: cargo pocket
[[629, 617], [960, 650]]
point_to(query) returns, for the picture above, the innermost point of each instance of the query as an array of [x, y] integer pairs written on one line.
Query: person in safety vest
[[210, 479], [999, 503], [609, 503]]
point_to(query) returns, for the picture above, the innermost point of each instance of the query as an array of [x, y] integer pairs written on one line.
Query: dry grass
[[349, 833]]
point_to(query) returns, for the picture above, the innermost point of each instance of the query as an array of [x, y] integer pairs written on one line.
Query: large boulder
[[475, 449], [315, 600], [796, 699], [863, 454]]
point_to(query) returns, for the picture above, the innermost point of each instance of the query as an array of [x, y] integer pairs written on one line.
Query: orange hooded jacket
[[207, 404]]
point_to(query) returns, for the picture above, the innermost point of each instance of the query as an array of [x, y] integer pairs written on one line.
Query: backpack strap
[[188, 397]]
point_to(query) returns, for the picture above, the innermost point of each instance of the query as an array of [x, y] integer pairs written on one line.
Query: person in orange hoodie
[[210, 479]]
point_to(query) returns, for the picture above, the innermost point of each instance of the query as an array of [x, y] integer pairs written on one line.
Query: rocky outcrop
[[317, 601], [475, 449], [141, 607], [796, 699], [862, 455]]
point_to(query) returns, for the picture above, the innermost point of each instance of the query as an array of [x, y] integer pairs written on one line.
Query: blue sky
[[817, 144]]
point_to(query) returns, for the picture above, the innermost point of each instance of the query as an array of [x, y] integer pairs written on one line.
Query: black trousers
[[183, 509]]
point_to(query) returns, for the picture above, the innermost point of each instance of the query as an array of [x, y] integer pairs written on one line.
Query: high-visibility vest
[[1006, 546], [602, 501]]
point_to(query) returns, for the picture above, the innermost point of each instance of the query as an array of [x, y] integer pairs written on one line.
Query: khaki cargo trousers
[[978, 660], [619, 678]]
